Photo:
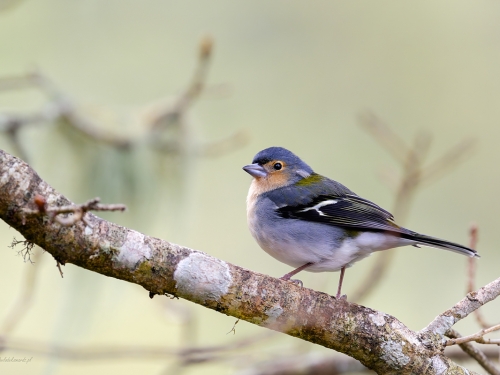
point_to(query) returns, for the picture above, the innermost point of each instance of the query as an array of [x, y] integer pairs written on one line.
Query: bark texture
[[379, 341]]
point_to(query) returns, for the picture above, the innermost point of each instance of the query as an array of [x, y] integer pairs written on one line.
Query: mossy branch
[[379, 341]]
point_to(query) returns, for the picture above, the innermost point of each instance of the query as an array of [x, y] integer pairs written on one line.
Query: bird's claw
[[297, 282], [342, 297], [293, 281]]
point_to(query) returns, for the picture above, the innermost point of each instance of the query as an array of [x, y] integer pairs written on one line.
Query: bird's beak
[[255, 170]]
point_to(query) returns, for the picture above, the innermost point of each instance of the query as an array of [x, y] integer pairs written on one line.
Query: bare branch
[[450, 159], [407, 188], [474, 300], [198, 80], [16, 82], [471, 262], [6, 5], [477, 337], [58, 265], [379, 341], [310, 363], [478, 355], [414, 175], [314, 363], [81, 353], [157, 120], [223, 146], [78, 211], [383, 134], [60, 106]]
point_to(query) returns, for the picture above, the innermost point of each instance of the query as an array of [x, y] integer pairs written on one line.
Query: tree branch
[[462, 309], [478, 355], [411, 159], [379, 341], [477, 337], [156, 120], [77, 211]]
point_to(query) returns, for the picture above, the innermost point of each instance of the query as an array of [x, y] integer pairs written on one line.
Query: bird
[[316, 224]]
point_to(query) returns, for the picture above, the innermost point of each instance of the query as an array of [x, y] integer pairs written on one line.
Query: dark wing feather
[[319, 199], [332, 203]]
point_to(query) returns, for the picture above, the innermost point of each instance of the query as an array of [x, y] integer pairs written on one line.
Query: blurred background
[[158, 105]]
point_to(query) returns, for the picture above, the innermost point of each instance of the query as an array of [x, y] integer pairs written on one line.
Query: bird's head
[[276, 167]]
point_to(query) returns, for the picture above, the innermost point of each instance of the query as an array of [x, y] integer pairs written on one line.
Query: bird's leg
[[342, 272], [294, 272]]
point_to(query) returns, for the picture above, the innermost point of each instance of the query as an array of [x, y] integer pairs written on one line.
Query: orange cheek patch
[[278, 179], [273, 181]]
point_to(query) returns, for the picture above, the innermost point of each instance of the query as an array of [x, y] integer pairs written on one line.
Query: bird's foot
[[341, 297], [294, 281]]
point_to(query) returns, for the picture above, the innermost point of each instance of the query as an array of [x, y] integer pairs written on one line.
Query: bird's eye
[[277, 166]]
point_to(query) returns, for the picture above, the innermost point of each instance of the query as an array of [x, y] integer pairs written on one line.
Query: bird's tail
[[422, 239]]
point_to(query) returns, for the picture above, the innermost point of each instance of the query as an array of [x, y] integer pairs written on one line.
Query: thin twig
[[384, 134], [471, 262], [310, 363], [234, 328], [200, 74], [411, 160], [167, 114], [457, 353], [68, 111], [11, 124], [478, 355], [223, 146], [78, 211], [451, 158], [404, 196], [7, 5], [23, 81], [158, 119], [314, 363], [477, 337], [13, 135], [58, 265], [411, 179], [472, 301], [192, 354], [60, 106]]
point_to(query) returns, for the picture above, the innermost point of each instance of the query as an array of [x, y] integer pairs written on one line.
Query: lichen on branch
[[379, 341]]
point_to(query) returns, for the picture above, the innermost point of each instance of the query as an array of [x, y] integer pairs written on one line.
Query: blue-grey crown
[[280, 153]]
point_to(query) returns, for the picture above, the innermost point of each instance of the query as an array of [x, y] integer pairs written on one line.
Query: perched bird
[[316, 224]]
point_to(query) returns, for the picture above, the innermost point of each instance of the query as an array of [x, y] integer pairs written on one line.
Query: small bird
[[316, 224]]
